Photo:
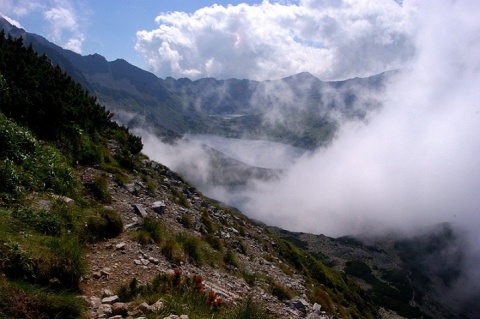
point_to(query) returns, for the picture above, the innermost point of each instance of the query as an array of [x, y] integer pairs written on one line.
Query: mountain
[[269, 110], [412, 275], [90, 227]]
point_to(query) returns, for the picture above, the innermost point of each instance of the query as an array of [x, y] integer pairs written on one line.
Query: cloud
[[63, 25], [415, 162], [332, 40]]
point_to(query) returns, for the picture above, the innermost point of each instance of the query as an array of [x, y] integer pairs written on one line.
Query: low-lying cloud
[[330, 39], [411, 164]]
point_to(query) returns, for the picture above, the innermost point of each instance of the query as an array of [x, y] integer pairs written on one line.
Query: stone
[[140, 210], [120, 246], [317, 308], [159, 207], [120, 308], [105, 309], [108, 292], [157, 306], [110, 300], [144, 307], [130, 188], [299, 303]]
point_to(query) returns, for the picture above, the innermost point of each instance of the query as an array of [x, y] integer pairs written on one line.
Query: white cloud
[[416, 162], [271, 40], [63, 25]]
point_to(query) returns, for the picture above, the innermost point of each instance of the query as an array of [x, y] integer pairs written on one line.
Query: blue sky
[[108, 27]]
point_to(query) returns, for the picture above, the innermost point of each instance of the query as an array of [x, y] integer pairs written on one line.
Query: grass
[[151, 232], [99, 188], [33, 302], [186, 295]]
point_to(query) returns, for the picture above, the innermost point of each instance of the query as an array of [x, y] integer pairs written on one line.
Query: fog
[[414, 163]]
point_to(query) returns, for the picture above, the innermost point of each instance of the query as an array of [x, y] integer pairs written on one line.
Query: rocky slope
[[115, 262]]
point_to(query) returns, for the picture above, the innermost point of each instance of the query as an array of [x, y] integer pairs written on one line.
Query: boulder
[[140, 210], [110, 300], [120, 309], [159, 207]]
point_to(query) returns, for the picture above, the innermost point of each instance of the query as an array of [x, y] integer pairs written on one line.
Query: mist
[[413, 163]]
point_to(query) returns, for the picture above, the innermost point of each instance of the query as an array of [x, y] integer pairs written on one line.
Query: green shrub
[[31, 302], [104, 224], [186, 221], [172, 251], [230, 259], [192, 248], [15, 262], [150, 232], [43, 221], [214, 242], [207, 222], [281, 292], [99, 188], [63, 261], [249, 277], [249, 309], [16, 142]]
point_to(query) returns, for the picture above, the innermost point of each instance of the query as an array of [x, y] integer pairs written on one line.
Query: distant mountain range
[[270, 110]]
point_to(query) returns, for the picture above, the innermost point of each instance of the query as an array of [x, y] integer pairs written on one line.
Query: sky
[[260, 40]]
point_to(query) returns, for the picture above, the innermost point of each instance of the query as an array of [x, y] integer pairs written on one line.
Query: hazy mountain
[[413, 275], [270, 110]]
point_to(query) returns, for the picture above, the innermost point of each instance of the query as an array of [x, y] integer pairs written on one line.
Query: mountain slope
[[412, 275], [84, 213]]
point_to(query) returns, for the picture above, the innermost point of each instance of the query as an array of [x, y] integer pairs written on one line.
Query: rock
[[108, 293], [300, 304], [137, 262], [157, 306], [96, 275], [120, 308], [159, 207], [131, 188], [317, 308], [144, 307], [120, 246], [110, 300], [140, 210], [105, 309]]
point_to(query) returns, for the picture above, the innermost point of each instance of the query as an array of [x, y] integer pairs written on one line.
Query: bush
[[150, 232], [249, 309], [172, 251], [30, 302], [207, 222], [105, 224], [100, 191], [192, 248], [43, 221], [214, 242], [281, 292], [230, 259], [186, 221]]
